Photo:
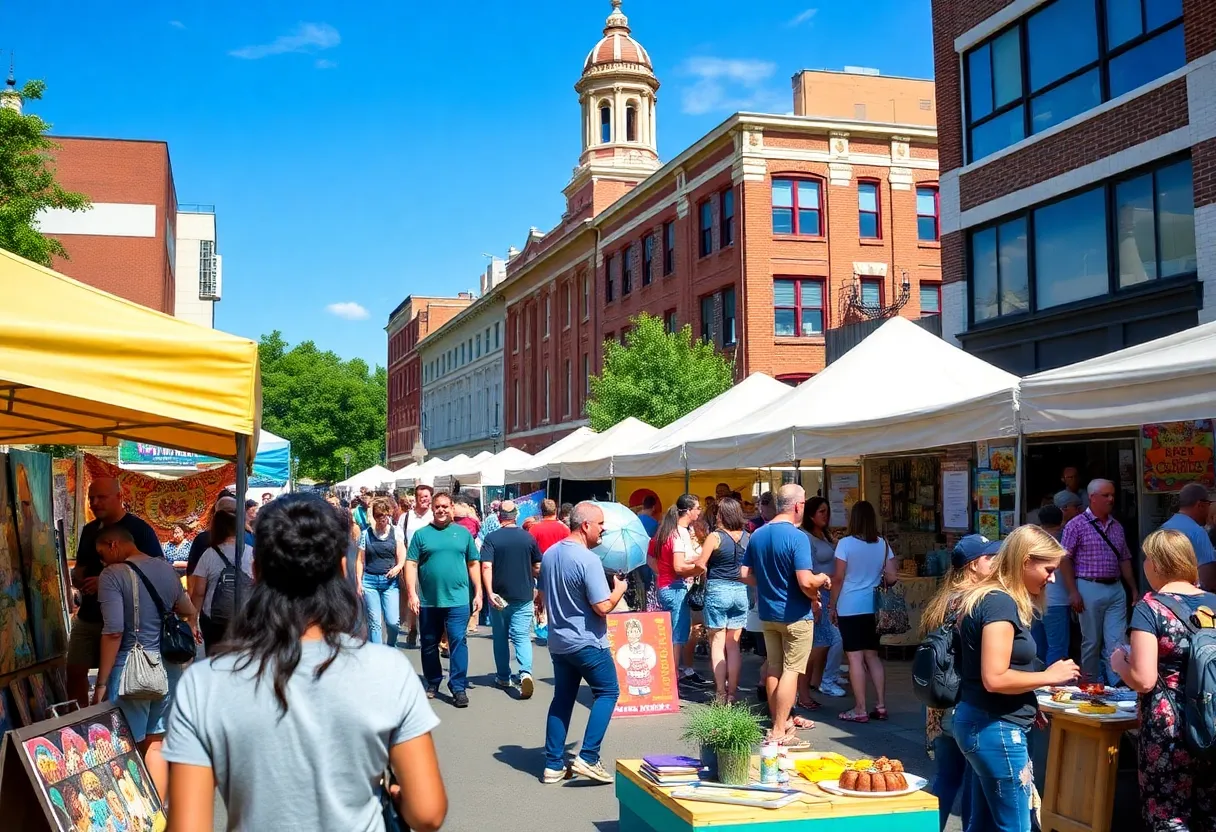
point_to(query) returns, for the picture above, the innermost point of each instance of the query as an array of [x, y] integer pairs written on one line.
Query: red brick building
[[124, 244], [412, 320], [1078, 185], [762, 235]]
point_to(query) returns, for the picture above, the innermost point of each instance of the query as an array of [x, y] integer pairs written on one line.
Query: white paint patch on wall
[[104, 219]]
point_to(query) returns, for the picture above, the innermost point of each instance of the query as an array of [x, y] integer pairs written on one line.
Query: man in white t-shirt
[[419, 517]]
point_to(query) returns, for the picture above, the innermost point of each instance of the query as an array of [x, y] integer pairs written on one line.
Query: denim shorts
[[725, 604], [674, 599]]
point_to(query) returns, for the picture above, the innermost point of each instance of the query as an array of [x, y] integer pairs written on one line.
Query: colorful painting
[[164, 503], [93, 778], [1003, 458], [1176, 454], [41, 697], [528, 505], [988, 488], [988, 523], [64, 474], [645, 663], [16, 643], [30, 483]]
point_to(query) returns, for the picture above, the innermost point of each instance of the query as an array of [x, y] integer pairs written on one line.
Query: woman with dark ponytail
[[283, 701]]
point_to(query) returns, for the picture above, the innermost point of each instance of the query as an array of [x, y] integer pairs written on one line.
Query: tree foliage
[[657, 376], [27, 182], [325, 406]]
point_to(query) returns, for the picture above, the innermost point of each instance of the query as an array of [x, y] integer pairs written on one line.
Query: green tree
[[27, 182], [656, 376], [324, 405]]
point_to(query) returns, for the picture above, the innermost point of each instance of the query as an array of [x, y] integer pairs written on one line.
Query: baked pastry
[[882, 775], [848, 780], [1061, 696], [1097, 707]]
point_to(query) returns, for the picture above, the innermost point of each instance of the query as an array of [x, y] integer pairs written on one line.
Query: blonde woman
[[998, 671], [1177, 790]]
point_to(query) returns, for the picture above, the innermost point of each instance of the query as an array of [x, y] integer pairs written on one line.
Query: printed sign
[[844, 489], [1176, 454], [529, 505], [645, 663], [140, 453]]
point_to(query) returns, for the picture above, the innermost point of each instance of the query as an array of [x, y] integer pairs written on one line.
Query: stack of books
[[671, 769]]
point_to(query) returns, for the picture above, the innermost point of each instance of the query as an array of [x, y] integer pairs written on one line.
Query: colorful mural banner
[[31, 483], [164, 503], [141, 453], [645, 663], [1177, 454]]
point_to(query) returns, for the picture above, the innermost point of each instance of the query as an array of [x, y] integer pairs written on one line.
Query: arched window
[[631, 122], [605, 122]]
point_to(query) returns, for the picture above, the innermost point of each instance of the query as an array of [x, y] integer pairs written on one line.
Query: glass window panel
[[783, 193], [1122, 21], [1061, 38], [1070, 250], [1006, 68], [984, 276], [869, 225], [926, 229], [867, 196], [783, 322], [926, 202], [783, 293], [728, 203], [812, 294], [812, 321], [979, 82], [1065, 101], [871, 294], [1176, 219], [783, 221], [808, 194], [707, 215], [808, 222], [1148, 61], [1015, 270], [1135, 232], [929, 303], [1159, 12], [1001, 132]]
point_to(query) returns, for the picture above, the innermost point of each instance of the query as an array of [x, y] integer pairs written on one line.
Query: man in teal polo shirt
[[441, 567]]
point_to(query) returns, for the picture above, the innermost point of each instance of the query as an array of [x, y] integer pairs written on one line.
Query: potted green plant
[[728, 733]]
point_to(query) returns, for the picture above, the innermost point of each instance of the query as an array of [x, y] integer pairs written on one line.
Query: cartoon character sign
[[638, 660], [645, 663]]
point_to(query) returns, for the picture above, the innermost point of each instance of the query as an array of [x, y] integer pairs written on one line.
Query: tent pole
[[1017, 488], [242, 486]]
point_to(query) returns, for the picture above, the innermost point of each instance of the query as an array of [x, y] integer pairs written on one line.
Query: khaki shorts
[[792, 642], [84, 644]]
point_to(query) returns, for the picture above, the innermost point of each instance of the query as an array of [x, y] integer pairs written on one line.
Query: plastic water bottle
[[768, 764]]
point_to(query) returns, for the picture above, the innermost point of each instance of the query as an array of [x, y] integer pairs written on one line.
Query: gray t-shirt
[[823, 555], [118, 608], [318, 765], [573, 579]]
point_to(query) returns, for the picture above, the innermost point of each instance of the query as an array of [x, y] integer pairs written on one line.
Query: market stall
[[371, 478], [537, 469]]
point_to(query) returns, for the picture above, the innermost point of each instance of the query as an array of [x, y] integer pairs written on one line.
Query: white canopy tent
[[446, 475], [665, 454], [490, 471], [900, 389], [1170, 379], [537, 469], [593, 459], [373, 477]]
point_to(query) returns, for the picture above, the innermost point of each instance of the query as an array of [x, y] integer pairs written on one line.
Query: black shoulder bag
[[176, 637]]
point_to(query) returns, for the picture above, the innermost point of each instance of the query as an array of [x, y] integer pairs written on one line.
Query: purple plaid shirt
[[1091, 557]]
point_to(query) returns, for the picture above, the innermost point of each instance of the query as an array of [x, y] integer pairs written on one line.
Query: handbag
[[144, 675], [393, 822], [696, 594], [890, 607], [177, 643]]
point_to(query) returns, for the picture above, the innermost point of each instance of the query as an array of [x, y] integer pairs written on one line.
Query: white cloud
[[729, 84], [802, 17], [177, 24], [349, 310], [325, 63], [306, 37]]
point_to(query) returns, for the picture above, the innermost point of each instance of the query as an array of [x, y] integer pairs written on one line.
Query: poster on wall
[[164, 503], [45, 590], [956, 500], [844, 489], [988, 523], [81, 771], [988, 489], [1003, 458], [1177, 454], [640, 643], [529, 505]]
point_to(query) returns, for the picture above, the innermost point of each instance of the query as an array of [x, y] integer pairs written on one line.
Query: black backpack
[[935, 679], [1198, 708], [223, 601]]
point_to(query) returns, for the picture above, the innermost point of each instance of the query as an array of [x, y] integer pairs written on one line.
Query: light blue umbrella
[[623, 542]]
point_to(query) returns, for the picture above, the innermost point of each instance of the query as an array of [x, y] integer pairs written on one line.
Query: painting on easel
[[16, 644], [30, 486]]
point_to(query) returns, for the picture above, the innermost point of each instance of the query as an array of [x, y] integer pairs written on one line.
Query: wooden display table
[[1082, 760], [645, 807]]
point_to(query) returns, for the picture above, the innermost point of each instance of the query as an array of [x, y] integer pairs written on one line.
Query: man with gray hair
[[1194, 500], [1097, 558], [510, 563], [779, 564]]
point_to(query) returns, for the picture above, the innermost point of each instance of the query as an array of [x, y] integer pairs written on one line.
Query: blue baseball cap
[[993, 548], [968, 549]]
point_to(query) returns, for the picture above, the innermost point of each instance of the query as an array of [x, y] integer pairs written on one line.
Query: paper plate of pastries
[[874, 778]]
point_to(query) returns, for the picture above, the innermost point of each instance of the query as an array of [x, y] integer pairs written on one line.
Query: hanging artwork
[[16, 644], [164, 504], [30, 484], [64, 473]]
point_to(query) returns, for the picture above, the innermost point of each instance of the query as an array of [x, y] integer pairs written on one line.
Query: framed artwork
[[16, 642], [30, 492]]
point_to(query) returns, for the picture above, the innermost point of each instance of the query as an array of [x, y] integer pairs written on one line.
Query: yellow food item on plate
[[862, 765], [1096, 708]]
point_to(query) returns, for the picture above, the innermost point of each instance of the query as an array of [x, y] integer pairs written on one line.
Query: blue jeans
[[674, 599], [953, 776], [1051, 634], [147, 717], [1002, 780], [595, 666], [382, 599], [512, 628], [432, 621]]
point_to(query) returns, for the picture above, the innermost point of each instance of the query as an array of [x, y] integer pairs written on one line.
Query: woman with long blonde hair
[[999, 671]]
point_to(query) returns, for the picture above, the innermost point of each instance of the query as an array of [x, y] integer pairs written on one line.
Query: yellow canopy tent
[[79, 366]]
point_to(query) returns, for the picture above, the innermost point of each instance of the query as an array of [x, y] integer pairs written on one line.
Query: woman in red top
[[675, 567]]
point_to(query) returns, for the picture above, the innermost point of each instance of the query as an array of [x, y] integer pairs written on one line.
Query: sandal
[[878, 713], [801, 723], [850, 716], [793, 742], [808, 705]]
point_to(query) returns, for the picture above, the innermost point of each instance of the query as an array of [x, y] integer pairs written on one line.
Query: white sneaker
[[592, 771], [555, 775], [832, 689], [526, 686]]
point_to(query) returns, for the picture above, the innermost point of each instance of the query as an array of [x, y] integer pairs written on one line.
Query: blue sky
[[361, 152]]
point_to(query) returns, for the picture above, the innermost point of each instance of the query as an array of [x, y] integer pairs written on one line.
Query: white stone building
[[198, 266]]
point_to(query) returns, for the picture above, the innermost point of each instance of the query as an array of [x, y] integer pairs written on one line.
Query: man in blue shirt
[[1193, 504], [778, 563]]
